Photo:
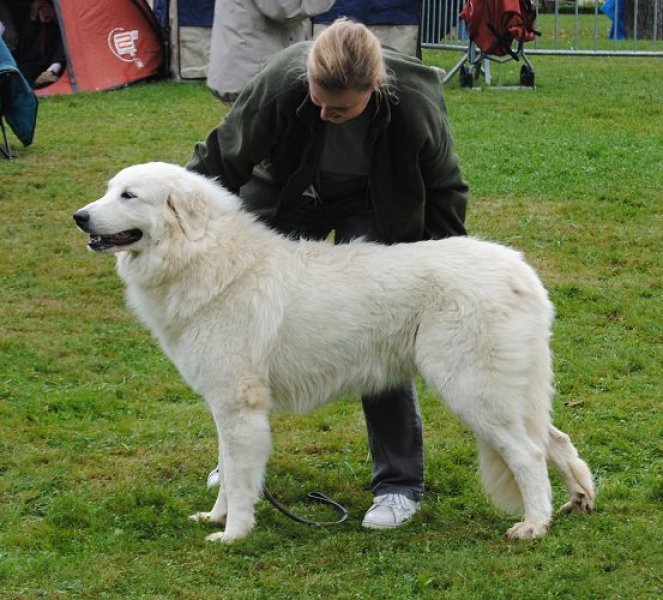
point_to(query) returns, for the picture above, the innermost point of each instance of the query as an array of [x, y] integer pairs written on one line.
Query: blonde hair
[[347, 56]]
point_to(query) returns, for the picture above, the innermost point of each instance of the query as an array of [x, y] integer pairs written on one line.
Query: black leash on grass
[[213, 480], [315, 497]]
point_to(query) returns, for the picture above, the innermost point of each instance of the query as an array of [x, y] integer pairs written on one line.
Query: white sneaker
[[214, 478], [389, 511]]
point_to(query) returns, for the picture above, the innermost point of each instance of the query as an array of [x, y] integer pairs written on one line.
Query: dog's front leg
[[220, 508], [246, 444]]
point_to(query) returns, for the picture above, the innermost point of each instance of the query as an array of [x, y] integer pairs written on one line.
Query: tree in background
[[643, 19]]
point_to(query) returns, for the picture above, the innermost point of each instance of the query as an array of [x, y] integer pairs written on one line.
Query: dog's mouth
[[103, 243]]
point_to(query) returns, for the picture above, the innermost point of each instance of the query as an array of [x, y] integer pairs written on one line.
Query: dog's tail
[[498, 481], [563, 457]]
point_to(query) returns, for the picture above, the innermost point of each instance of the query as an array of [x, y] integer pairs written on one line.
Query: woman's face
[[339, 106]]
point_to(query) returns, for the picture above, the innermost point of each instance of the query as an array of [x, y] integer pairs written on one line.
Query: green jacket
[[415, 184]]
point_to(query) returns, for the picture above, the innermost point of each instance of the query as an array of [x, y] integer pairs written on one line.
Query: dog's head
[[142, 204]]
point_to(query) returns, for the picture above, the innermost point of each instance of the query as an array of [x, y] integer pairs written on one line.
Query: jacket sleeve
[[236, 145], [57, 53], [447, 193]]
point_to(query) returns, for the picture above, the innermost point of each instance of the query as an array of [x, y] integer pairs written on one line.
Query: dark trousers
[[393, 419]]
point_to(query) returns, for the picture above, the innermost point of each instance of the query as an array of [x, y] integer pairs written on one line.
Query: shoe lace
[[398, 500]]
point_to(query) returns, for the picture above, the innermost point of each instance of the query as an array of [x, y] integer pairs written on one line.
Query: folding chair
[[18, 102], [494, 26], [5, 148]]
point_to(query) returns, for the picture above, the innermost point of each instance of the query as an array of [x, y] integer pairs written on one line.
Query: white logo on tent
[[122, 44]]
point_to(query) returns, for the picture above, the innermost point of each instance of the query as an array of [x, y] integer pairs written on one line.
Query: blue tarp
[[374, 12], [200, 13], [614, 9], [190, 13], [18, 103]]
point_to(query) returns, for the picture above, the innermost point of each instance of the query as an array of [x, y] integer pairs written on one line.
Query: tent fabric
[[195, 13], [108, 44], [18, 103], [189, 25]]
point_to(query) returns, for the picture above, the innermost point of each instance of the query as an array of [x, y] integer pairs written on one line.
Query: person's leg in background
[[393, 419], [393, 422]]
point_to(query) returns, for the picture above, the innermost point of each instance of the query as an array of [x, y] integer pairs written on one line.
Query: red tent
[[108, 44]]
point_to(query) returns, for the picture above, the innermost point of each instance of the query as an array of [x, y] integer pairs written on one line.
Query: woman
[[342, 135], [40, 53]]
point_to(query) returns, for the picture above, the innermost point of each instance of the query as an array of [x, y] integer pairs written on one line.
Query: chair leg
[[5, 148]]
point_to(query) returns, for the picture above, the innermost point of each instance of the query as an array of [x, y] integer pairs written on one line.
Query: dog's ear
[[191, 215]]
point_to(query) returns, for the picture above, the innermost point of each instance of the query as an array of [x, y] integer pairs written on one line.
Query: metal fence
[[582, 27]]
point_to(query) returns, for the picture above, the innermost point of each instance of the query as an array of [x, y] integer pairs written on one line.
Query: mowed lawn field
[[104, 451]]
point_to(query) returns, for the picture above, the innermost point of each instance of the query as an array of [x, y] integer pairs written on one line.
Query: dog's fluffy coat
[[256, 322]]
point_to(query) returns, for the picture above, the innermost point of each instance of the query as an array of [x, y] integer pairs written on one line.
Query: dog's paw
[[526, 530], [218, 536], [207, 517], [224, 537], [579, 503]]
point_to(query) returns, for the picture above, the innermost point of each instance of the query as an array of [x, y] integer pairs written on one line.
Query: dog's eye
[[127, 195]]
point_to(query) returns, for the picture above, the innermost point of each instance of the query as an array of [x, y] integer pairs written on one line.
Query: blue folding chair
[[18, 102]]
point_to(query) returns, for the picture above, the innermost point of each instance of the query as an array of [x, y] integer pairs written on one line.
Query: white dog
[[257, 322]]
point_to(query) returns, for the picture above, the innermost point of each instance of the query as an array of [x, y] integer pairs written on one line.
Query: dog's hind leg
[[526, 464], [512, 450], [574, 471], [512, 458]]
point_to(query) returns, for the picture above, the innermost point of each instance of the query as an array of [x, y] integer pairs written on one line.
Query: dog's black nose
[[82, 218]]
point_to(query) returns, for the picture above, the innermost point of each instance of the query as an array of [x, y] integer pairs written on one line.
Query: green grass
[[104, 450]]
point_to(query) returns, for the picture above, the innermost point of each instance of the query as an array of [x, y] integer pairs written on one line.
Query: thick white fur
[[256, 322]]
